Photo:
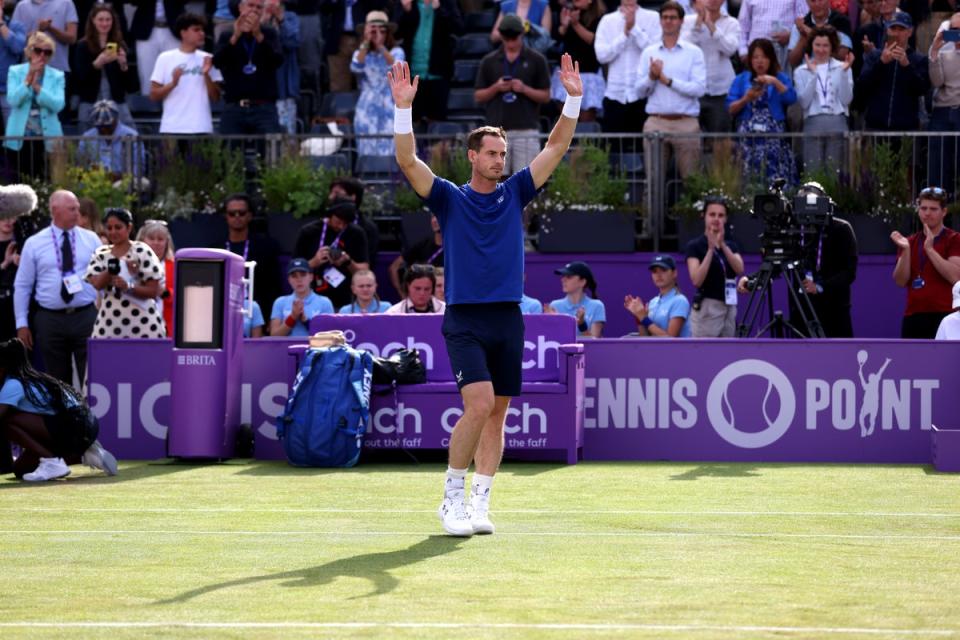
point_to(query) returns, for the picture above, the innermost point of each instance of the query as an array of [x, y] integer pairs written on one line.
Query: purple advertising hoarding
[[762, 400], [645, 399]]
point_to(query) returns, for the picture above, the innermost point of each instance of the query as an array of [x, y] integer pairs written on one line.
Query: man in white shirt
[[718, 36], [769, 19], [949, 328], [185, 80], [621, 37], [53, 266], [673, 78]]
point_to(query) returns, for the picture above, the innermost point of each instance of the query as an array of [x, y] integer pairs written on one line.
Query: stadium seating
[[462, 106], [473, 45], [465, 72], [339, 105], [480, 21]]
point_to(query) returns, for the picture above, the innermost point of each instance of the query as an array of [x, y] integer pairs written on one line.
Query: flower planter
[[574, 231], [284, 229], [873, 234]]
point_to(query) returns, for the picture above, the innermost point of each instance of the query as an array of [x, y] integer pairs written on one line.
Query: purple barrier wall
[[645, 400], [878, 303], [767, 400]]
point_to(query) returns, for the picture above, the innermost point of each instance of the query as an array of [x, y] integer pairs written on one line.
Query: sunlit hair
[[39, 38], [153, 228]]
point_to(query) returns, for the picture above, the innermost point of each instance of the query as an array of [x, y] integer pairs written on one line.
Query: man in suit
[[53, 263]]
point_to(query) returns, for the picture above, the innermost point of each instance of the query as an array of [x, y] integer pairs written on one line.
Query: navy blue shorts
[[485, 343]]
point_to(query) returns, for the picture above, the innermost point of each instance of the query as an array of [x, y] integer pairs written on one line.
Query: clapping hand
[[401, 86], [900, 240], [635, 306], [928, 239], [848, 61], [297, 311], [810, 63]]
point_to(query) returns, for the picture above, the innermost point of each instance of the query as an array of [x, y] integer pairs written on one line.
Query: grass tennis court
[[638, 550]]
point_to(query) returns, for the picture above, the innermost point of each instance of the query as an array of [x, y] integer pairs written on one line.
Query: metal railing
[[881, 169]]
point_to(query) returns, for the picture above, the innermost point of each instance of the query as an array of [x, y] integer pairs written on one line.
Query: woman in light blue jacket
[[825, 89], [35, 92]]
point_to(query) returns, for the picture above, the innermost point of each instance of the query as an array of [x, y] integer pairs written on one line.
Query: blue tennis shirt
[[482, 238]]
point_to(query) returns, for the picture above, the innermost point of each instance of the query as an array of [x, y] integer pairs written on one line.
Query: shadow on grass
[[374, 567], [718, 470]]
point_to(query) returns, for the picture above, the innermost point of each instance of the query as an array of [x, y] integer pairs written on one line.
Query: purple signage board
[[767, 400], [383, 335]]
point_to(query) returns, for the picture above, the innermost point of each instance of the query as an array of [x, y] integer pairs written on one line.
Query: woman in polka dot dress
[[129, 274]]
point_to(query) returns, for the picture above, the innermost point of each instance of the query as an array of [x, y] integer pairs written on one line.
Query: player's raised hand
[[570, 76], [402, 87]]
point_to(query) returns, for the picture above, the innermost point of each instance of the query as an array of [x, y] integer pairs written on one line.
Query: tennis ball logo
[[721, 414]]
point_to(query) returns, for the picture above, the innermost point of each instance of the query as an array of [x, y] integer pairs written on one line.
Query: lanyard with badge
[[729, 284], [71, 281], [826, 105], [434, 256], [508, 67], [918, 282], [331, 274]]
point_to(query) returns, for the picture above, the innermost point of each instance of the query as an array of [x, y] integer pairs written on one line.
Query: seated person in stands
[[335, 248], [365, 298], [534, 12], [253, 322], [106, 144], [949, 328], [426, 251], [665, 316], [576, 277], [37, 413], [350, 188], [438, 291], [530, 305], [420, 282], [291, 314]]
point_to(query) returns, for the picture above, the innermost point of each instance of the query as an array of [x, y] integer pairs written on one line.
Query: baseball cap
[[104, 113], [664, 262], [900, 18], [511, 25], [298, 264], [575, 268], [344, 209]]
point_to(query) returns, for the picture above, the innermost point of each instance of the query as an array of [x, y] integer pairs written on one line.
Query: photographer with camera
[[130, 274], [335, 248], [928, 265], [817, 254], [714, 262], [830, 272]]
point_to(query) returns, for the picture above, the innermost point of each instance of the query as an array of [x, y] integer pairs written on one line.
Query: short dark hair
[[344, 209], [475, 137], [186, 20], [937, 194], [671, 5], [828, 32], [715, 199], [417, 271], [350, 184], [767, 47], [233, 197]]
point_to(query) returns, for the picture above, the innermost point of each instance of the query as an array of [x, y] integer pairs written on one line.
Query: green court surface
[[595, 550]]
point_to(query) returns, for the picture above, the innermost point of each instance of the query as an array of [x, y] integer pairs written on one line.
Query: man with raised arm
[[483, 248]]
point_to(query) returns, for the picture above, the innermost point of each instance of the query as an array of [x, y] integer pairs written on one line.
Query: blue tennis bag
[[328, 409]]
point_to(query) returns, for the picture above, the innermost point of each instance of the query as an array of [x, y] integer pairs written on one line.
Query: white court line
[[546, 512], [506, 626], [500, 533]]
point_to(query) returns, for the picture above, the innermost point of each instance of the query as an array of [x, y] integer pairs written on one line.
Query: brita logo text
[[756, 413], [197, 360]]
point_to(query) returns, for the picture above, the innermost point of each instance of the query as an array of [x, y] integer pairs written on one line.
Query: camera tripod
[[778, 326]]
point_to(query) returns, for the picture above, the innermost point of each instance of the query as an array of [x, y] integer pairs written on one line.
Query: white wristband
[[402, 120], [571, 107]]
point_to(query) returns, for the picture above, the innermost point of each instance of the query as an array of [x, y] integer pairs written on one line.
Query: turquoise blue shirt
[[672, 305], [422, 43], [530, 305], [313, 305], [376, 306], [594, 311], [12, 394], [249, 322]]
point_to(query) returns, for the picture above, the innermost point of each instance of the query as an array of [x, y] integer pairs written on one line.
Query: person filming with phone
[[945, 78], [101, 68], [892, 80]]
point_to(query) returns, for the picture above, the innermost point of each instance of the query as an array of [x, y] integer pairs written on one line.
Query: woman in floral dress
[[374, 113]]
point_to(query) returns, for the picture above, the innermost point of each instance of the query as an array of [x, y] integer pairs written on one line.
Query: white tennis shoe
[[454, 517], [480, 518], [96, 457], [48, 469]]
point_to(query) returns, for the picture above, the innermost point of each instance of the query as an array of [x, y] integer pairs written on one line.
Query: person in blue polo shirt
[[665, 316], [291, 314], [576, 277]]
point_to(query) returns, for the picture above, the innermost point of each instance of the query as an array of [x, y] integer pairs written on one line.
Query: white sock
[[481, 488], [454, 485]]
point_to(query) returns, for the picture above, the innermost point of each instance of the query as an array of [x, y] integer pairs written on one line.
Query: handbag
[[403, 367]]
